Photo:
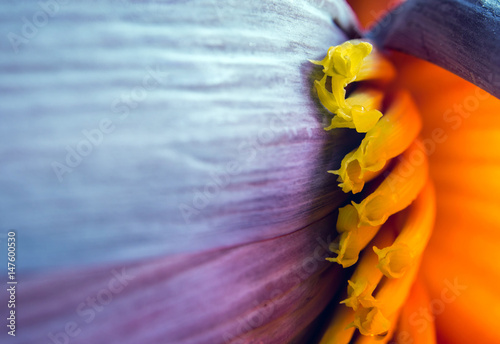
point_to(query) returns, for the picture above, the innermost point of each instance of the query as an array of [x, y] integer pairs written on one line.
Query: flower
[[165, 168], [440, 303], [455, 254], [391, 151]]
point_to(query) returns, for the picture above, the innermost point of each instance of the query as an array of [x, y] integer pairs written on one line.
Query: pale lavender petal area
[[178, 142], [138, 129]]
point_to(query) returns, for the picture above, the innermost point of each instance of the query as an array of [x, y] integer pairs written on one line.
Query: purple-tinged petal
[[462, 36], [263, 292]]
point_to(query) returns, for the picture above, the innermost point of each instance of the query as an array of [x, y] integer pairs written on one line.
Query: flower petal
[[414, 325], [461, 135], [268, 291], [148, 129], [460, 36]]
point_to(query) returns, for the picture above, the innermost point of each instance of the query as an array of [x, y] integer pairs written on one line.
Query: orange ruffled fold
[[462, 261]]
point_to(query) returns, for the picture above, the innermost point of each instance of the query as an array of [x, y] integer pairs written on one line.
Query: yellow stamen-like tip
[[341, 66], [370, 321], [348, 219], [352, 238], [345, 59], [364, 119], [347, 252], [360, 294], [390, 145], [389, 136], [396, 192], [394, 260], [329, 101], [349, 244]]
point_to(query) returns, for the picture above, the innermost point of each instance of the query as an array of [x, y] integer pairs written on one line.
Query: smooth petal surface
[[411, 327], [265, 292], [461, 135], [458, 35], [134, 130]]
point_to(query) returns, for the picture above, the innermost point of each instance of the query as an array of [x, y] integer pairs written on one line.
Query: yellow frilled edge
[[392, 153]]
